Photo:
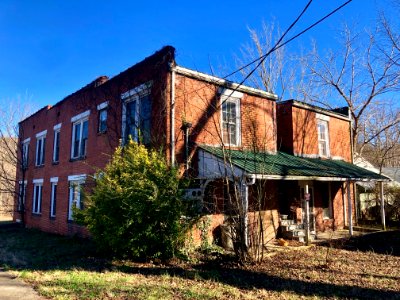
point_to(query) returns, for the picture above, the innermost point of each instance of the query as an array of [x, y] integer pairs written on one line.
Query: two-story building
[[231, 139]]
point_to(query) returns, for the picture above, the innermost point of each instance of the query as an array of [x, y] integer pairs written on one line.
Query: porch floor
[[335, 235]]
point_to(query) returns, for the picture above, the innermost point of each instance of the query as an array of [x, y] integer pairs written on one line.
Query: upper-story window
[[40, 148], [56, 143], [323, 135], [230, 109], [102, 109], [80, 125], [136, 114], [25, 153]]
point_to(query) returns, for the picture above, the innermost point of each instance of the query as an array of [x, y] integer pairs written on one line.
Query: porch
[[314, 194]]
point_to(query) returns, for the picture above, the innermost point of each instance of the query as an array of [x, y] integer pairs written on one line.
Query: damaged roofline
[[225, 83]]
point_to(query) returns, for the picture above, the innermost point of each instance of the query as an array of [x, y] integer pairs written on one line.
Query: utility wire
[[277, 46]]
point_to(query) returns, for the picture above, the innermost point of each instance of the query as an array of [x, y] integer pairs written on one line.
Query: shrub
[[135, 209]]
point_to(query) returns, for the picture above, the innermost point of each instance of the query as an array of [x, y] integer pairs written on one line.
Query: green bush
[[135, 209]]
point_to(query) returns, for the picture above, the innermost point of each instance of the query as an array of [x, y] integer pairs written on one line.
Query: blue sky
[[49, 49]]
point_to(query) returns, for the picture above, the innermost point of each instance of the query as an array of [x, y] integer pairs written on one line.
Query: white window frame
[[57, 129], [25, 152], [37, 197], [132, 95], [102, 107], [325, 123], [75, 182], [53, 196], [230, 96], [39, 159], [79, 119]]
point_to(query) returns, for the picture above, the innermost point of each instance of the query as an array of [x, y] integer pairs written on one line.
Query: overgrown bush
[[135, 209]]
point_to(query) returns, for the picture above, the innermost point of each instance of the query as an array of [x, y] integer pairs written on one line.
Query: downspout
[[350, 209], [383, 218], [246, 185], [172, 114]]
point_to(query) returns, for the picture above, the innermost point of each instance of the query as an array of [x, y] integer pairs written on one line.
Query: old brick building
[[194, 117]]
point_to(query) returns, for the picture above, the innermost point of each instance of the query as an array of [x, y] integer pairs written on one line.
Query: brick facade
[[178, 97]]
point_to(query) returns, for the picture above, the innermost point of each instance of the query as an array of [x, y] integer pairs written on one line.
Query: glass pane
[[77, 135], [103, 120], [145, 119], [84, 138], [131, 126]]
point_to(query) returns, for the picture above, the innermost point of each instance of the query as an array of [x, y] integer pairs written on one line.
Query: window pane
[[103, 120], [56, 146], [131, 126], [84, 138], [77, 134], [43, 151], [230, 122], [145, 119]]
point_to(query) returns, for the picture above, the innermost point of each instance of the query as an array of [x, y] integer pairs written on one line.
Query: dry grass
[[63, 268]]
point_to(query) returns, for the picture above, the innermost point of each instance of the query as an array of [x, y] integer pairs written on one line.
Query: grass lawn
[[68, 268]]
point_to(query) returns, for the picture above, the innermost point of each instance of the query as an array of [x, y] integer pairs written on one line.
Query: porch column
[[382, 205], [245, 212], [350, 208]]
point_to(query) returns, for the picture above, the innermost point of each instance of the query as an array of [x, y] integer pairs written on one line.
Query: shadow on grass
[[382, 242], [33, 250]]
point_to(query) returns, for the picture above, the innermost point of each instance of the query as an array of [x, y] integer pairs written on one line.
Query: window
[[230, 109], [137, 114], [326, 200], [75, 186], [102, 108], [79, 135], [21, 195], [25, 153], [56, 145], [53, 199], [40, 148], [37, 196], [323, 138]]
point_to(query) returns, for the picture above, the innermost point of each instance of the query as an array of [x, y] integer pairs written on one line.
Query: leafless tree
[[361, 76], [10, 158]]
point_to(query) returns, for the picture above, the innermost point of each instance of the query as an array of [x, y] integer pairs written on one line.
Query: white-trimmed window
[[102, 112], [40, 148], [21, 195], [53, 199], [136, 114], [56, 143], [80, 125], [37, 196], [76, 183], [230, 110], [323, 138], [25, 153]]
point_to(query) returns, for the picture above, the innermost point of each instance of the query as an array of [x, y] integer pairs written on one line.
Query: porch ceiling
[[285, 166]]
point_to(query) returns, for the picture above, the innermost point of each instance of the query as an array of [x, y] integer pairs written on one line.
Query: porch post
[[245, 211], [382, 205], [307, 214], [350, 207]]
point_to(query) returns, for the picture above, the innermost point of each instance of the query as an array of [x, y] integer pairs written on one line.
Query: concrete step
[[287, 222]]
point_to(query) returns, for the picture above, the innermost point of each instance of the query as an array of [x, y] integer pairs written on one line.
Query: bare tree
[[11, 159], [276, 73], [361, 76]]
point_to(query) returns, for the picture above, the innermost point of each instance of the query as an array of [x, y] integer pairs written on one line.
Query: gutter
[[172, 114]]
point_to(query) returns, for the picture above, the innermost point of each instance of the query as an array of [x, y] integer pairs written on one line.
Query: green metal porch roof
[[285, 165]]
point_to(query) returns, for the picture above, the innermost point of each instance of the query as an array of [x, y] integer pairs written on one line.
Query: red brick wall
[[297, 132], [99, 146]]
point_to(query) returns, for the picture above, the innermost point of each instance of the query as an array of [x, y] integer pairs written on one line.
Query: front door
[[302, 197]]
